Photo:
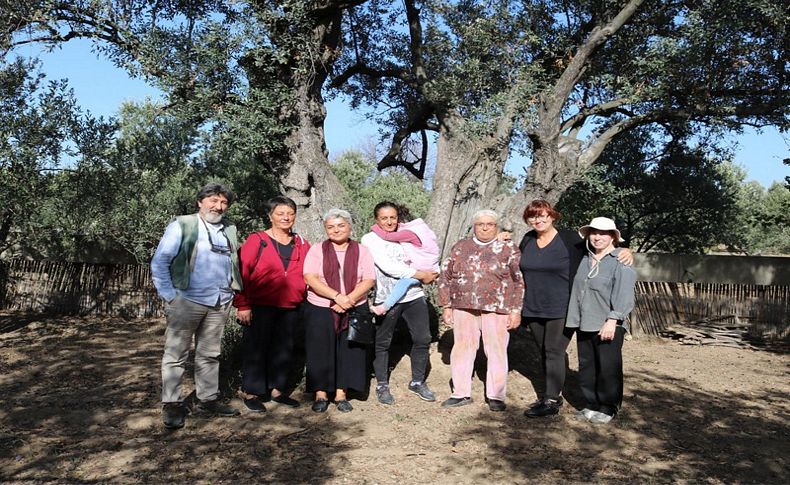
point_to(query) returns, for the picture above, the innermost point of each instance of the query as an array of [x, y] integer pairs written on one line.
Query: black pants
[[601, 370], [415, 313], [552, 339], [332, 361], [267, 343]]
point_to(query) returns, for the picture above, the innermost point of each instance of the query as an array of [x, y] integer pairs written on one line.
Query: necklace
[[288, 237], [285, 260]]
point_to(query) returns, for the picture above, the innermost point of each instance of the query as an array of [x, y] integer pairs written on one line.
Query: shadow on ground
[[79, 403], [668, 431]]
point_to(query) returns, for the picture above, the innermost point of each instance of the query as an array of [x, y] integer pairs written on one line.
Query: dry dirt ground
[[79, 403]]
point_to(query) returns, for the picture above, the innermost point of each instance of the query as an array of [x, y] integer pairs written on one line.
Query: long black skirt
[[332, 361]]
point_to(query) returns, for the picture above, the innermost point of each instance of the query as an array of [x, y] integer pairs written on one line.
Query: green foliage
[[41, 131], [710, 65], [231, 355], [231, 72], [764, 218], [253, 181], [680, 199], [366, 187], [150, 173], [126, 185], [475, 56], [76, 186]]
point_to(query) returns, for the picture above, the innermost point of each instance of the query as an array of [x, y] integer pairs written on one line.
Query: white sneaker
[[584, 415], [598, 417]]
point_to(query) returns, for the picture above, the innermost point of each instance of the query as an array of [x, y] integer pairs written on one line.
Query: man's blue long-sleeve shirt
[[209, 281]]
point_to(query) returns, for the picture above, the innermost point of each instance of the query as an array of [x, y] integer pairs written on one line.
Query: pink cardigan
[[314, 264]]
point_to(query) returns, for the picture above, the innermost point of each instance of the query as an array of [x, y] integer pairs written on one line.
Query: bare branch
[[603, 109], [365, 70], [333, 7], [415, 42], [701, 114], [417, 123], [577, 65]]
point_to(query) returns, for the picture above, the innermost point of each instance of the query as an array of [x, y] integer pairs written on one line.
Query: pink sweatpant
[[467, 327]]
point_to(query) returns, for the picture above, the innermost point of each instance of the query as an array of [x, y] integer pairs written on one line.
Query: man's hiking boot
[[217, 408], [174, 415]]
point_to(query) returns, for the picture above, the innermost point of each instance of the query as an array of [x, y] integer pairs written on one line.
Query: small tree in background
[[365, 187], [764, 218], [671, 198], [75, 186], [42, 133]]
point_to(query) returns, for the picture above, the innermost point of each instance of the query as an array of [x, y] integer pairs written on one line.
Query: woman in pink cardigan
[[339, 272]]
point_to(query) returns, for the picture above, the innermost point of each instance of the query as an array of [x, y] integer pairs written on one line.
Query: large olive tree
[[564, 78]]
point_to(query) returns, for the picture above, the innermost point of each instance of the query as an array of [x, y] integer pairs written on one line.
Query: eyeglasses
[[215, 248], [544, 217]]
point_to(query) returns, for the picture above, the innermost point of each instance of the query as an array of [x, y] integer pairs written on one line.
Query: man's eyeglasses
[[215, 248], [219, 249]]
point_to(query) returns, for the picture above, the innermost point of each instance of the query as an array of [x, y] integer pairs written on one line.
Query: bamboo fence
[[761, 311], [63, 288], [127, 291]]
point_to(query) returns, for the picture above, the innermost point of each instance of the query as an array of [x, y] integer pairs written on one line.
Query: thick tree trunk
[[309, 180], [467, 178], [453, 162], [556, 164]]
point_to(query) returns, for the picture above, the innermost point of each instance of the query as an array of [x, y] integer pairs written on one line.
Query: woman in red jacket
[[268, 306]]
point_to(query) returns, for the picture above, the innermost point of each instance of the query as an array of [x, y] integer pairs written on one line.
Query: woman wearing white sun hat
[[601, 299]]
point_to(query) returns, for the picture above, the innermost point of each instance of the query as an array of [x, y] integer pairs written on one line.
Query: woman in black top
[[549, 259]]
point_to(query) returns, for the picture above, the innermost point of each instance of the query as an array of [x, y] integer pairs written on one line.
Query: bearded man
[[196, 271]]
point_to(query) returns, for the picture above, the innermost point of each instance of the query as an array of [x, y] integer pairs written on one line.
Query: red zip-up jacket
[[266, 281]]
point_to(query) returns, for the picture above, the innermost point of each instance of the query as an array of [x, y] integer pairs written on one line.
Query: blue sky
[[101, 88]]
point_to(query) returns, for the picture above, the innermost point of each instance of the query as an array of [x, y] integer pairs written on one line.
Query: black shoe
[[255, 404], [286, 401], [539, 402], [455, 402], [344, 406], [496, 405], [320, 405], [536, 403], [174, 415], [548, 407], [217, 408]]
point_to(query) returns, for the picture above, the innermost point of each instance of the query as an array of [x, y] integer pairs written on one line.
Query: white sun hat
[[601, 224]]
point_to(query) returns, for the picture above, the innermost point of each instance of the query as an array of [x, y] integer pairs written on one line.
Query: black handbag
[[360, 327]]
